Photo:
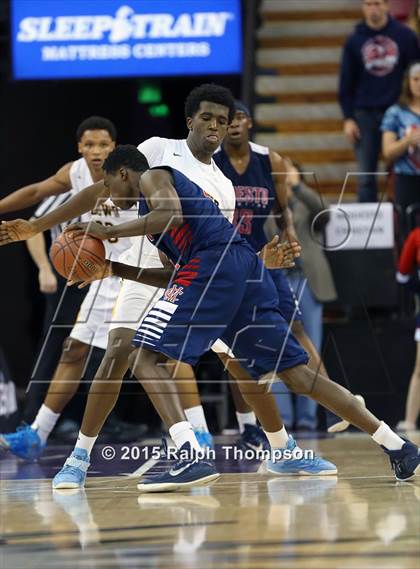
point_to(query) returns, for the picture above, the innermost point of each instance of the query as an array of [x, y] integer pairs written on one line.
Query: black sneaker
[[404, 462], [252, 438], [188, 471]]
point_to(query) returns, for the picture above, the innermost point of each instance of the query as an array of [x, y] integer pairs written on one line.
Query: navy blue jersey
[[204, 225], [254, 190]]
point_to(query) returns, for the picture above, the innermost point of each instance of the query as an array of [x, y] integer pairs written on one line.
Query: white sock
[[45, 422], [85, 442], [386, 437], [278, 439], [245, 419], [195, 415], [181, 433]]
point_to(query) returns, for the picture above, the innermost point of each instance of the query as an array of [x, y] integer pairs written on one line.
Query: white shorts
[[95, 314], [133, 303]]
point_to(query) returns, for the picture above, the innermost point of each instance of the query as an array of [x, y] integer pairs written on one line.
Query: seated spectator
[[401, 141], [312, 283], [374, 59], [408, 274], [414, 21]]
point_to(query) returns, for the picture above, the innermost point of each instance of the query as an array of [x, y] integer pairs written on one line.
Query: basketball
[[77, 256]]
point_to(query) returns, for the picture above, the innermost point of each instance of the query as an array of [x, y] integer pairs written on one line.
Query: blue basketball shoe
[[188, 471], [204, 438], [252, 438], [24, 443], [73, 473], [314, 466], [404, 462]]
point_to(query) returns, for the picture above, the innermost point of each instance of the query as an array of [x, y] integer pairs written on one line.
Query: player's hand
[[47, 280], [351, 130], [102, 272], [413, 137], [95, 229], [16, 230], [276, 255]]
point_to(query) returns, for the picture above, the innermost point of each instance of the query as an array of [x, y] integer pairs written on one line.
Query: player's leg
[[255, 345], [60, 316], [183, 328], [405, 456], [250, 433], [252, 395], [90, 330], [156, 377], [258, 335], [189, 395], [103, 394]]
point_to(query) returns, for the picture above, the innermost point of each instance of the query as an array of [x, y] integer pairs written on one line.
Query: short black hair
[[126, 156], [96, 123], [213, 94]]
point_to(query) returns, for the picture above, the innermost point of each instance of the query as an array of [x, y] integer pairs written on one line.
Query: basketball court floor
[[247, 519]]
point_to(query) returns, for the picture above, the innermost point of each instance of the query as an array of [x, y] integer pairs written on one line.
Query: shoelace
[[70, 470], [393, 463]]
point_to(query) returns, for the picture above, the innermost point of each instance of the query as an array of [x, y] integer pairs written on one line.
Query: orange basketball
[[77, 256]]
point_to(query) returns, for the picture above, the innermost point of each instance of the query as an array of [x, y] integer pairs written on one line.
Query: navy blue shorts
[[222, 293], [288, 302]]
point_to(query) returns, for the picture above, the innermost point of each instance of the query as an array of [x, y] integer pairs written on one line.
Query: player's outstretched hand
[[276, 255], [102, 272], [16, 230], [95, 229]]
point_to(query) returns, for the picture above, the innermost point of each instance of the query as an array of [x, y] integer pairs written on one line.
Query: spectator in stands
[[401, 141], [414, 21], [374, 59], [408, 274], [311, 281]]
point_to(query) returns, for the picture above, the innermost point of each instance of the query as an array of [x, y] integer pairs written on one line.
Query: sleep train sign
[[95, 38]]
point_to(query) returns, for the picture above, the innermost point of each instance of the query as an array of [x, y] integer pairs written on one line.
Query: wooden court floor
[[359, 520]]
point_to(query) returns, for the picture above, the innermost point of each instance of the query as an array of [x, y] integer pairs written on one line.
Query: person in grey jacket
[[312, 282]]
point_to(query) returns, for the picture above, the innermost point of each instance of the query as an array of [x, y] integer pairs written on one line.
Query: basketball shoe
[[204, 438], [314, 466], [188, 471], [405, 462], [73, 473], [253, 438], [24, 443]]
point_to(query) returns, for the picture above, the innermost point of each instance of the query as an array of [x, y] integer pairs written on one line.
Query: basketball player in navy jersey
[[209, 109], [258, 176], [221, 290]]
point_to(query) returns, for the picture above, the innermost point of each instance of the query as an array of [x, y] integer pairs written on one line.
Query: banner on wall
[[53, 39], [360, 226]]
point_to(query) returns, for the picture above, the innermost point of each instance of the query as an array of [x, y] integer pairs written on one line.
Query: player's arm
[[279, 169], [164, 205], [38, 251], [21, 229], [34, 193], [157, 277]]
